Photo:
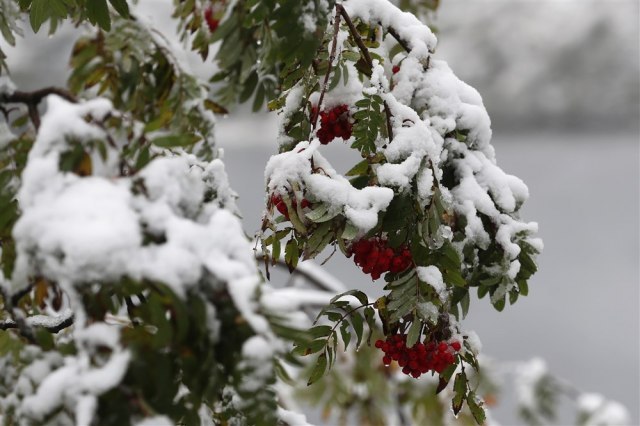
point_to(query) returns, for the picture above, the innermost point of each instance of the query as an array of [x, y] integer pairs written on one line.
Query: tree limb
[[51, 324], [33, 99]]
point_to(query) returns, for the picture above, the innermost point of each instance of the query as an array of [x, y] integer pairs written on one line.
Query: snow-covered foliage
[[428, 204], [91, 231], [131, 287]]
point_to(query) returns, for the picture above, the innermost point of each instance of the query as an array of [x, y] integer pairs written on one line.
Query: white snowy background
[[560, 80]]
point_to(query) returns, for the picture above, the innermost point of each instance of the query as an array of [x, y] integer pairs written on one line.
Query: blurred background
[[561, 81]]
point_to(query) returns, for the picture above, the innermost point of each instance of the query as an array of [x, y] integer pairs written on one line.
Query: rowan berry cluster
[[278, 202], [334, 123], [375, 257], [420, 358]]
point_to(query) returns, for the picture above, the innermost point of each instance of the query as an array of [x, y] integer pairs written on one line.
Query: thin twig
[[54, 328], [387, 113], [332, 57], [302, 273], [367, 57], [33, 99], [355, 35], [399, 39]]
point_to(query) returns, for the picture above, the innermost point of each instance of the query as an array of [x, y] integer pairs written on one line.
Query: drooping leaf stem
[[345, 315]]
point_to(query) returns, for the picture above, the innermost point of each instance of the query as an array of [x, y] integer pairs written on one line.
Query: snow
[[474, 341], [417, 35], [291, 418], [256, 347], [602, 412], [292, 299], [360, 206], [79, 231], [432, 276], [527, 376], [7, 87], [155, 421]]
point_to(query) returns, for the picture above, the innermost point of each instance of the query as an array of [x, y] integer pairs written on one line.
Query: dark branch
[[355, 35], [36, 96], [33, 99], [387, 113], [56, 327], [399, 39]]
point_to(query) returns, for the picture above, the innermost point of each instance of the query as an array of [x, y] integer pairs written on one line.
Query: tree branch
[[329, 283], [51, 324], [33, 99], [399, 39], [367, 58], [355, 35]]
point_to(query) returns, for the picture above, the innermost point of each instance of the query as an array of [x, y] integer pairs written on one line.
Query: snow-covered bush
[[130, 293]]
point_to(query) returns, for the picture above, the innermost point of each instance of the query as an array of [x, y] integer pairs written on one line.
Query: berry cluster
[[334, 123], [212, 22], [279, 203], [420, 358], [375, 257]]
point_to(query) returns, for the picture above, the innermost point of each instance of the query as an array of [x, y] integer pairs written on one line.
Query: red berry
[[212, 23], [456, 346], [395, 69]]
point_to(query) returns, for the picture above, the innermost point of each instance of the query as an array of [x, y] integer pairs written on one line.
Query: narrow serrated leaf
[[361, 296], [318, 370], [358, 326], [476, 408], [460, 391], [414, 333]]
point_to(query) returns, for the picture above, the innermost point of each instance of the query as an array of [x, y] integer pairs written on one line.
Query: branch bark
[[33, 99]]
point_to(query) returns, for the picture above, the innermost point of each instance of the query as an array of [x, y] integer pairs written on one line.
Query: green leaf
[[310, 347], [318, 370], [350, 232], [317, 213], [464, 304], [175, 141], [320, 331], [359, 169], [523, 287], [344, 333], [39, 13], [401, 310], [500, 303], [361, 296], [476, 409], [98, 13], [460, 391], [358, 326], [276, 249], [291, 254], [414, 333], [369, 316], [121, 7], [337, 74]]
